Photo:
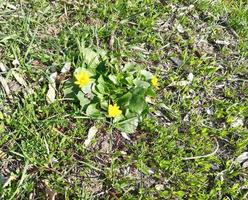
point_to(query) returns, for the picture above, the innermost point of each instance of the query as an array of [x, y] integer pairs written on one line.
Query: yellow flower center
[[154, 82], [82, 78], [114, 110]]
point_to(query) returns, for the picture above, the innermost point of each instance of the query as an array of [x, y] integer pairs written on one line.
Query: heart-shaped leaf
[[137, 102], [92, 110], [82, 99], [128, 125]]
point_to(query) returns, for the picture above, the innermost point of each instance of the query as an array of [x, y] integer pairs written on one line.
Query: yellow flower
[[154, 82], [82, 78], [114, 110]]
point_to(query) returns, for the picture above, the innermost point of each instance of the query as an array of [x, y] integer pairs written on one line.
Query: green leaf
[[2, 181], [148, 75], [101, 79], [137, 102], [150, 92], [97, 93], [128, 125], [82, 99], [70, 90], [100, 88], [102, 53], [101, 68], [113, 78], [129, 80], [140, 83], [92, 110], [88, 88], [99, 96], [129, 114], [104, 105], [1, 116], [90, 57], [210, 70], [2, 127], [143, 167], [124, 100], [84, 70], [128, 67]]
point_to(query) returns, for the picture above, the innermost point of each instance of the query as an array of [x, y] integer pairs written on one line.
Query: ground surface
[[188, 145]]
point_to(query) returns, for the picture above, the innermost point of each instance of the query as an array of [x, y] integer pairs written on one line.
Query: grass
[[41, 144]]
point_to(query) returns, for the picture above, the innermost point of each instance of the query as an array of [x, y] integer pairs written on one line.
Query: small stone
[[3, 67], [16, 62], [159, 187], [180, 29], [190, 77], [54, 160], [66, 67], [242, 157], [125, 135], [123, 152], [222, 42], [91, 134], [151, 171], [237, 122], [209, 112], [176, 61], [245, 164]]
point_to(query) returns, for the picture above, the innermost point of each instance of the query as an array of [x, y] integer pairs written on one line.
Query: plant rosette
[[103, 91]]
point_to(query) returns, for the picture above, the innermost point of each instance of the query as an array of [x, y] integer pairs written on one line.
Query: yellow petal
[[154, 82], [114, 110], [82, 78]]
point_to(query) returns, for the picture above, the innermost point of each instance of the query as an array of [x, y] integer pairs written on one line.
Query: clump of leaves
[[113, 93]]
